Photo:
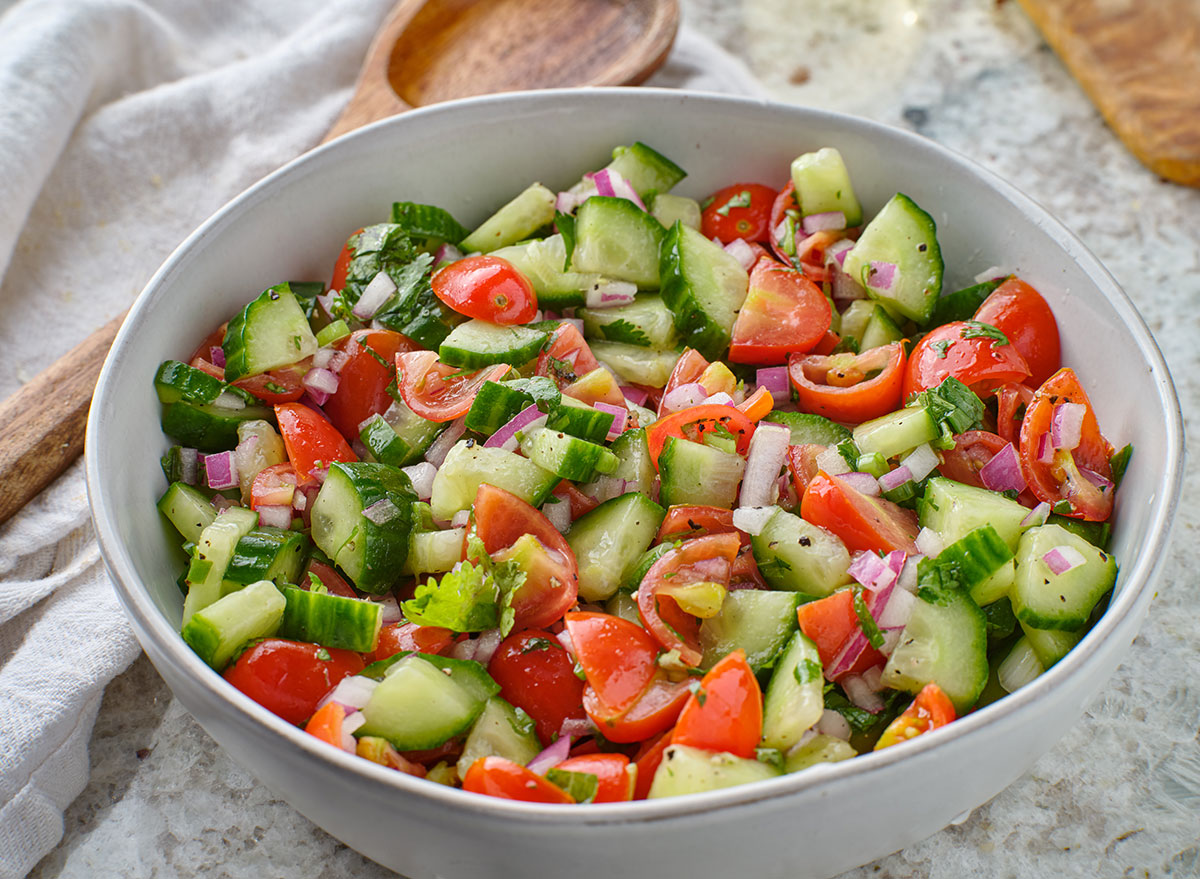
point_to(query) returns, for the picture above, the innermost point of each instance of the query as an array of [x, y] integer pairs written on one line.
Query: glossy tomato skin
[[655, 712], [698, 420], [972, 450], [958, 349], [841, 387], [312, 442], [436, 391], [784, 313], [409, 637], [502, 778], [647, 760], [1012, 401], [784, 202], [618, 657], [289, 678], [1020, 312], [342, 266], [567, 357], [742, 210], [931, 709], [863, 523], [685, 521], [537, 675], [364, 379], [725, 713], [828, 622], [612, 771], [486, 287], [277, 386]]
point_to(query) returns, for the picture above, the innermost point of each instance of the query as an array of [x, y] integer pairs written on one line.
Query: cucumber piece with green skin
[[616, 238], [808, 427], [633, 463], [671, 209], [953, 509], [416, 706], [567, 456], [819, 749], [467, 673], [177, 381], [796, 555], [646, 322], [434, 552], [217, 631], [266, 553], [399, 437], [211, 427], [581, 420], [795, 698], [478, 343], [1045, 600], [636, 365], [609, 540], [822, 184], [469, 465], [692, 473], [331, 620], [500, 731], [688, 770], [496, 403], [897, 432], [880, 330], [370, 551], [645, 168], [214, 549], [1050, 645], [855, 318], [542, 262], [904, 236], [517, 220], [704, 287], [976, 557], [644, 563], [945, 643], [623, 605], [757, 621], [269, 332], [188, 509]]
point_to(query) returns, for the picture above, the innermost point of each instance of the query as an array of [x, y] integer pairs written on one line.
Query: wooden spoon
[[428, 51]]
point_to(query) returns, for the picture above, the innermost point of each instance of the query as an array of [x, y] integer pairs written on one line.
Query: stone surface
[[1120, 795]]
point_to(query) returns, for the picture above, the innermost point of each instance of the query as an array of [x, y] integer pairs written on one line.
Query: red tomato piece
[[212, 340], [931, 709], [342, 266], [802, 465], [289, 678], [618, 657], [685, 521], [784, 313], [725, 713], [274, 486], [436, 391], [486, 287], [688, 368], [410, 638], [850, 388], [967, 351], [1012, 400], [862, 522], [703, 559], [744, 573], [1060, 481], [828, 622], [784, 202], [972, 450], [742, 210], [579, 502], [502, 778], [277, 386], [326, 724], [537, 675], [312, 443], [1020, 312], [363, 380], [613, 774], [647, 760], [656, 711], [567, 357], [693, 422], [330, 579]]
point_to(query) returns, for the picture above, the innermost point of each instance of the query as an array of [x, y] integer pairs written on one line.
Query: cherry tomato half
[[613, 773], [970, 352], [617, 656], [862, 522], [276, 386], [486, 287], [498, 777], [783, 313], [725, 713], [289, 678], [567, 357], [932, 708], [363, 380], [742, 210], [342, 266], [312, 443], [692, 423], [436, 391], [1020, 312], [850, 388], [537, 675], [656, 711]]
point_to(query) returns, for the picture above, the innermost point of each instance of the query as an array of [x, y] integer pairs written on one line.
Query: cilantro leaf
[[975, 329], [953, 407], [621, 330], [464, 601]]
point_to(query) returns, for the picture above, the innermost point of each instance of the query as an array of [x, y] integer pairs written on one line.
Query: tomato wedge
[[656, 711], [537, 675], [439, 392], [725, 712], [647, 760], [862, 522], [409, 637], [1020, 312], [617, 656], [693, 422], [498, 777], [615, 779], [685, 521], [784, 312], [363, 380], [802, 465], [342, 266], [277, 386], [289, 678], [704, 559], [567, 357], [850, 388], [932, 708], [970, 352], [312, 443], [828, 622], [1012, 401]]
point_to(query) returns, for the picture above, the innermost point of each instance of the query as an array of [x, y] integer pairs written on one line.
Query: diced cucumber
[[496, 403], [636, 365], [261, 447], [500, 731], [953, 509], [616, 238], [624, 605], [688, 770], [633, 462], [266, 553], [897, 432], [797, 555], [645, 322], [808, 427], [468, 674], [904, 236], [478, 343], [217, 631], [646, 169], [609, 540], [644, 563], [416, 706], [671, 209], [399, 437], [517, 220], [434, 552], [331, 620], [214, 550], [819, 749], [579, 419], [469, 465], [271, 331], [823, 184], [704, 287], [754, 620], [1045, 600], [370, 549], [869, 325], [177, 381], [795, 698], [188, 508], [854, 319], [1050, 645], [542, 262], [211, 427], [567, 456], [945, 643], [975, 558], [692, 473]]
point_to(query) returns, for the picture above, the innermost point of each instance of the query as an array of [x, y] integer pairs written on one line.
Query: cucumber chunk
[[692, 473], [434, 552], [579, 419], [399, 437], [188, 508], [671, 209], [217, 631], [976, 558], [646, 322], [796, 555], [895, 433], [609, 540], [211, 427], [567, 456], [795, 698], [704, 287], [478, 343], [687, 770], [517, 220], [177, 381], [904, 236], [823, 184], [416, 706], [645, 168], [331, 620], [636, 365], [819, 749], [616, 238], [468, 465], [953, 509], [269, 332], [1045, 600], [808, 427], [753, 620], [1050, 645], [267, 553], [542, 262], [213, 552], [500, 731]]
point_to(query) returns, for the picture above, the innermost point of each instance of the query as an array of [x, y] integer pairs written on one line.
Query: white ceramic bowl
[[470, 157]]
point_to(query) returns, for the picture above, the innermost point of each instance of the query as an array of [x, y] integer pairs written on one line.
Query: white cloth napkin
[[123, 124]]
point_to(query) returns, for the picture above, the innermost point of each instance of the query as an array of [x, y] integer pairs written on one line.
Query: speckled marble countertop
[[1120, 795]]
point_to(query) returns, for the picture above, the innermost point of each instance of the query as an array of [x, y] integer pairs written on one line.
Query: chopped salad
[[622, 495]]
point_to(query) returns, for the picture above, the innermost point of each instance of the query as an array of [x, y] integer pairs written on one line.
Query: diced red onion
[[851, 650], [275, 515], [389, 609], [620, 416], [1002, 472], [775, 379], [216, 356], [447, 253], [557, 511], [352, 693], [742, 252], [921, 461], [636, 396], [229, 400], [823, 221], [1037, 516], [836, 252], [189, 461], [566, 202], [882, 275], [321, 357], [360, 450], [930, 542], [577, 727], [381, 512], [690, 394], [421, 475], [832, 462], [331, 359], [871, 571], [752, 520], [379, 291], [833, 724], [222, 503], [323, 380], [989, 274], [609, 294], [350, 724], [460, 519], [720, 398], [864, 483], [908, 574], [895, 613], [464, 649], [608, 487], [610, 183], [1096, 479], [1045, 449], [304, 498], [861, 694], [1063, 558], [1066, 425], [551, 757], [506, 436], [486, 644], [844, 288], [326, 300], [564, 638], [768, 449], [895, 478], [440, 447], [220, 470]]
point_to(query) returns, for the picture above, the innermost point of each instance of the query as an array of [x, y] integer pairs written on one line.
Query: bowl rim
[[151, 624]]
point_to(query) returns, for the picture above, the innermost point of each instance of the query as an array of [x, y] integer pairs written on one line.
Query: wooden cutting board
[[1139, 62]]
